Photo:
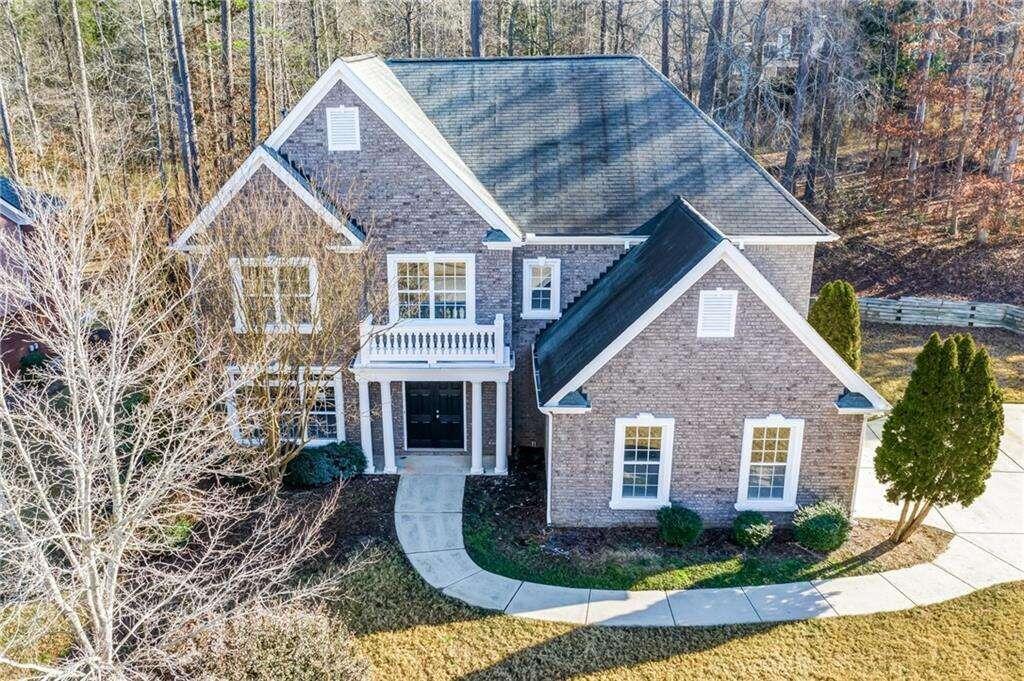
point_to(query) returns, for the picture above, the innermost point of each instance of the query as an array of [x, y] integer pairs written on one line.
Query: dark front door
[[433, 415]]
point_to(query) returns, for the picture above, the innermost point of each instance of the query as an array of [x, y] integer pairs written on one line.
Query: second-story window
[[431, 286], [274, 294], [542, 288]]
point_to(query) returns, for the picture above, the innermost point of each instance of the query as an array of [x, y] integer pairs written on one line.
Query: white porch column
[[500, 455], [365, 434], [476, 466], [388, 426]]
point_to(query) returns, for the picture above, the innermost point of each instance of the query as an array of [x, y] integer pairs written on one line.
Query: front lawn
[[888, 352], [410, 631], [505, 532]]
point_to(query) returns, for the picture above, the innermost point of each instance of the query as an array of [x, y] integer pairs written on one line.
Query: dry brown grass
[[887, 357], [410, 631]]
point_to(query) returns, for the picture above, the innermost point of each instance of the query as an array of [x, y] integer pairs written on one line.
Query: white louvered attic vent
[[343, 129], [716, 316]]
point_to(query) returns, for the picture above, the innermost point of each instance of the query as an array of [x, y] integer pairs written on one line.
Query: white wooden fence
[[932, 311]]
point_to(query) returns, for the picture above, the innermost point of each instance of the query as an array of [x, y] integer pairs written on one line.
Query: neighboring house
[[20, 208], [577, 259]]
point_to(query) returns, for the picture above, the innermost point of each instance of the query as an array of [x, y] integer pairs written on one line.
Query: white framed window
[[342, 128], [642, 462], [542, 288], [716, 314], [432, 286], [309, 404], [275, 294], [770, 464]]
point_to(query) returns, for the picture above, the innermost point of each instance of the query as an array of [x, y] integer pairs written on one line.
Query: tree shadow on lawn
[[390, 605]]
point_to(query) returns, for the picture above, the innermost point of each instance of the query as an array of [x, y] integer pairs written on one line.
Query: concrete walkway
[[988, 549]]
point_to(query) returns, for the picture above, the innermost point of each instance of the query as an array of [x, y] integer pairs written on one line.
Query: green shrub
[[751, 529], [836, 316], [31, 360], [293, 645], [177, 533], [679, 526], [823, 526], [323, 465]]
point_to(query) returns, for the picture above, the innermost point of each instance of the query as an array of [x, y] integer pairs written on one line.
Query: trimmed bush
[[679, 525], [823, 526], [323, 465], [752, 530], [293, 645]]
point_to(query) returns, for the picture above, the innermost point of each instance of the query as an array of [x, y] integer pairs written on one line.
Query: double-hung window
[[307, 406], [770, 464], [542, 288], [274, 294], [642, 462], [432, 286]]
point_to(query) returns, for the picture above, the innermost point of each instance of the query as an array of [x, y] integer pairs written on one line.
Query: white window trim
[[796, 441], [704, 333], [339, 404], [337, 146], [433, 258], [241, 326], [664, 471], [556, 288]]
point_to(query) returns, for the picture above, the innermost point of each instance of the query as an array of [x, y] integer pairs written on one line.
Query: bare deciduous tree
[[124, 523]]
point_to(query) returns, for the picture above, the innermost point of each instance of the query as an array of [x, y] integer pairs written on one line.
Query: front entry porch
[[418, 418]]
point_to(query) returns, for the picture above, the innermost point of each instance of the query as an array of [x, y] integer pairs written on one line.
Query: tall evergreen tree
[[836, 316], [940, 442]]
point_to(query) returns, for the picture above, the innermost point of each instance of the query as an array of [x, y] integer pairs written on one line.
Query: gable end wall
[[709, 386]]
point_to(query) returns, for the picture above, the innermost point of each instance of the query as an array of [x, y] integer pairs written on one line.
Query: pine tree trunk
[[5, 127], [797, 113], [19, 55], [252, 75], [154, 117], [512, 28], [92, 146], [665, 16], [709, 73], [476, 27], [226, 62], [603, 30], [688, 47], [752, 103], [211, 88], [314, 41], [186, 112], [620, 26]]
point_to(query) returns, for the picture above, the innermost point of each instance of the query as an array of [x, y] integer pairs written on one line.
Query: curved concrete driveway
[[988, 549]]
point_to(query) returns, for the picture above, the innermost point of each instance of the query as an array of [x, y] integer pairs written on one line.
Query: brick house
[[575, 258], [20, 208]]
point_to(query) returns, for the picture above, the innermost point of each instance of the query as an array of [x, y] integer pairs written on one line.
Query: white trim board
[[259, 158], [745, 270], [436, 153], [13, 214]]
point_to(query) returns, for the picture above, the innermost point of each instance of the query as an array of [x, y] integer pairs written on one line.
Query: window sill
[[541, 315], [769, 506], [638, 504]]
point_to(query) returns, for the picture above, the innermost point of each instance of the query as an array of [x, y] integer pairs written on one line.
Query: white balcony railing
[[414, 340]]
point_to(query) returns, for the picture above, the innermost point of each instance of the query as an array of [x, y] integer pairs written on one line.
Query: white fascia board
[[780, 240], [259, 158], [494, 215], [768, 294], [583, 240], [13, 214], [860, 410]]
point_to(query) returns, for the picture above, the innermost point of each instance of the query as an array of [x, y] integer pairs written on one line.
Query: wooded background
[[902, 110]]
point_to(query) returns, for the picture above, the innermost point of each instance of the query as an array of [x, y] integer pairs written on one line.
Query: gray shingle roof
[[324, 200], [679, 239], [595, 145]]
